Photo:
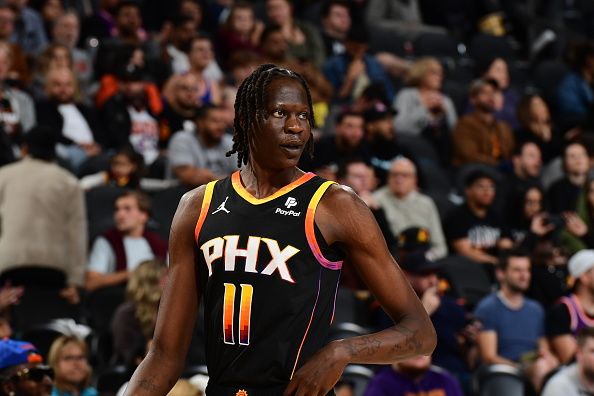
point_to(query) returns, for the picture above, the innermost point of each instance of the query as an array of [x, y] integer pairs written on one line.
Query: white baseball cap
[[581, 262]]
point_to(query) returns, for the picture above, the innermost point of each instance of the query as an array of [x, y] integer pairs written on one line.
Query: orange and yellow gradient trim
[[308, 325], [241, 190], [245, 312], [204, 209], [310, 229], [228, 311]]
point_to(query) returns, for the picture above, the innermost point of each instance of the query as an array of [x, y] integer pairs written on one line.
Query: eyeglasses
[[36, 374], [74, 358], [401, 174]]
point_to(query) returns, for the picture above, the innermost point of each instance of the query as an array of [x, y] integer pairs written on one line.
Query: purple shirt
[[436, 382]]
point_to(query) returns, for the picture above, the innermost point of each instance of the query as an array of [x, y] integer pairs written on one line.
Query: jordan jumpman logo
[[222, 207]]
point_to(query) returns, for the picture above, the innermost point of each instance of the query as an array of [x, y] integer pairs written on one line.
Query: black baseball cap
[[378, 111], [417, 263], [414, 238]]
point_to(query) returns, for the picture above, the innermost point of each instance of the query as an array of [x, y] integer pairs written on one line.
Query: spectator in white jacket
[[422, 105]]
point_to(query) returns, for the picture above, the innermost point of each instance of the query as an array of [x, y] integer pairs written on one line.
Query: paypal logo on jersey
[[287, 212], [289, 204]]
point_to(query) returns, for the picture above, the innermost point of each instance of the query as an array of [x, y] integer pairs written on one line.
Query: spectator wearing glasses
[[68, 360], [180, 106], [406, 207], [21, 370]]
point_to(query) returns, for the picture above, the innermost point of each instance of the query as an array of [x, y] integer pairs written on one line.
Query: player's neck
[[262, 182]]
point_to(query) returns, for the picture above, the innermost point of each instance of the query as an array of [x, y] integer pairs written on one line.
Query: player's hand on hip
[[320, 373]]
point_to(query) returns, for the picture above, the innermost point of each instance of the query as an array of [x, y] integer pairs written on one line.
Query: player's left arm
[[344, 219]]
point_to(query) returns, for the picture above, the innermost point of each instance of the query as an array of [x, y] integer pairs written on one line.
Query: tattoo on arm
[[147, 384], [364, 346], [402, 343], [409, 344]]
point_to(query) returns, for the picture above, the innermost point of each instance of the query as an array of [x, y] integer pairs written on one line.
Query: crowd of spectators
[[467, 127]]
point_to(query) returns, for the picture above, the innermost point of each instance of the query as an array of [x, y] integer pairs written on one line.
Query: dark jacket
[[117, 122], [48, 114]]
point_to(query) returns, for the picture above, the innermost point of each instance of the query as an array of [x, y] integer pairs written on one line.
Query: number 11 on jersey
[[245, 311]]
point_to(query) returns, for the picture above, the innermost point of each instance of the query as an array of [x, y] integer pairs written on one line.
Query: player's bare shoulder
[[340, 213], [190, 206], [194, 196], [339, 197]]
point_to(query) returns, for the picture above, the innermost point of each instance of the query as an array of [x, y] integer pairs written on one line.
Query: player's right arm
[[164, 362]]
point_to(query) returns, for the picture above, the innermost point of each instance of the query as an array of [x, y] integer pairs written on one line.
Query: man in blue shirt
[[29, 32], [351, 72], [574, 94], [512, 325]]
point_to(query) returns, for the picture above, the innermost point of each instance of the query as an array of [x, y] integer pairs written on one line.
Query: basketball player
[[264, 249]]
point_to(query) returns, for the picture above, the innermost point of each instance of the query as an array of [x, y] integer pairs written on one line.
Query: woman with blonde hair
[[423, 110], [422, 104], [134, 321], [72, 373]]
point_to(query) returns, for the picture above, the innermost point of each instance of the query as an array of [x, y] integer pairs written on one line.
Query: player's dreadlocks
[[249, 108]]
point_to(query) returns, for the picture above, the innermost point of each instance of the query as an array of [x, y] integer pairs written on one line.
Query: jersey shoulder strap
[[206, 200], [313, 235]]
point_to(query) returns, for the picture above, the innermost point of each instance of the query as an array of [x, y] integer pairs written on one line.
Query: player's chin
[[291, 156], [288, 163]]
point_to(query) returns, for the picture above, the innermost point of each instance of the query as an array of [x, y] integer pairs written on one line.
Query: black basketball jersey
[[269, 283]]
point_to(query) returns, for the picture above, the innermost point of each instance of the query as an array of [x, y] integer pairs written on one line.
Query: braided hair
[[249, 108]]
